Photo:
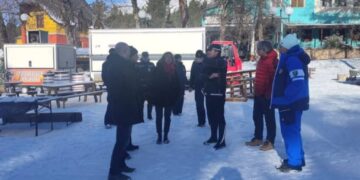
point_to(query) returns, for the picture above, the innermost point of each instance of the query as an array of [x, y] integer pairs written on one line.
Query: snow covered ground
[[82, 150]]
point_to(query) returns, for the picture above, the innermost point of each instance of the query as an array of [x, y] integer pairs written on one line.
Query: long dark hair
[[162, 59]]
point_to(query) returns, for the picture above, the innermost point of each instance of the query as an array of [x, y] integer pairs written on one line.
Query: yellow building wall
[[49, 24]]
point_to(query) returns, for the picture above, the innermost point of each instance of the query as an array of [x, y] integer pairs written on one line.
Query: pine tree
[[157, 10], [99, 8]]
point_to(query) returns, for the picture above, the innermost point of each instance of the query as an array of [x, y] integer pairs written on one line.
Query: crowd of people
[[279, 84]]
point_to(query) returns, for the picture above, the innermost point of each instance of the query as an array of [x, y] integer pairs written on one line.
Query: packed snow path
[[82, 151]]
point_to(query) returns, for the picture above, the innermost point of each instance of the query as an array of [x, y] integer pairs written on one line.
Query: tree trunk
[[136, 13], [184, 12], [223, 17], [167, 13], [3, 33], [259, 21]]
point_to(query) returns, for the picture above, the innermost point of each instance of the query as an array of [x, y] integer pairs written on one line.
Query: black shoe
[[285, 168], [210, 141], [119, 177], [219, 145], [158, 141], [166, 141], [201, 125], [127, 156], [303, 164], [132, 147], [127, 169]]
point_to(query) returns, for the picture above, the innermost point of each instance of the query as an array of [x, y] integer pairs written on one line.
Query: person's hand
[[190, 89], [214, 75]]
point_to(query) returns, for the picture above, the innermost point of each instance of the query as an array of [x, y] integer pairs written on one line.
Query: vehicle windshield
[[228, 53]]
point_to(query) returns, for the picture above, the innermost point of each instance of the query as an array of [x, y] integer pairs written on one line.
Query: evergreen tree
[[99, 8], [157, 10]]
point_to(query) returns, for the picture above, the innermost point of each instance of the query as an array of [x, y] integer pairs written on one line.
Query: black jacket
[[119, 75], [181, 72], [164, 88], [215, 86], [196, 80], [145, 71]]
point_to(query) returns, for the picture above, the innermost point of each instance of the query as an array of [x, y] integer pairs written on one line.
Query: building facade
[[43, 25], [315, 20]]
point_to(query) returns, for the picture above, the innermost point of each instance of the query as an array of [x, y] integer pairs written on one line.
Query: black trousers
[[261, 110], [107, 116], [179, 104], [200, 106], [123, 133], [149, 108], [160, 112], [215, 112]]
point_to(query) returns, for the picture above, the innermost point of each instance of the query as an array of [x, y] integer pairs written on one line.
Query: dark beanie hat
[[177, 57], [199, 54], [216, 47], [145, 54], [133, 50], [112, 50]]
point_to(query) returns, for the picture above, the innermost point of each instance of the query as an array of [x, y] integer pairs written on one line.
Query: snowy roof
[[54, 9]]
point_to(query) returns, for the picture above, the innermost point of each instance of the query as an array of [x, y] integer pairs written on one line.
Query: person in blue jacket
[[290, 96]]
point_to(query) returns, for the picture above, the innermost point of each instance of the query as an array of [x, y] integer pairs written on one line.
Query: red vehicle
[[231, 53]]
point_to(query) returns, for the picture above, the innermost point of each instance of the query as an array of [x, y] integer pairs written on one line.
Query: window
[[306, 35], [326, 3], [297, 3], [227, 52], [325, 33], [356, 35], [340, 2], [40, 21]]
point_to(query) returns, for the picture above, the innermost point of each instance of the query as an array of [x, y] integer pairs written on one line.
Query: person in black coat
[[181, 72], [214, 74], [165, 90], [197, 83], [134, 58], [119, 75], [145, 69], [104, 78]]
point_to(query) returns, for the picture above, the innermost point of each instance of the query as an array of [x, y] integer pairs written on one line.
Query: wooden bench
[[65, 96]]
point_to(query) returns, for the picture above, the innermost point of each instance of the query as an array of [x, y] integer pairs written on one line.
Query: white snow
[[82, 151]]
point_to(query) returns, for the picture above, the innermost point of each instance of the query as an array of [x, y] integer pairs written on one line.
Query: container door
[[29, 57]]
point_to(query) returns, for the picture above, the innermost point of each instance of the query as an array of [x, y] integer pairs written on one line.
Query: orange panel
[[57, 39], [29, 76], [84, 42]]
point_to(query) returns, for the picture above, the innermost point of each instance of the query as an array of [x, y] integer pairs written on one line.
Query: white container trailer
[[184, 41], [28, 62]]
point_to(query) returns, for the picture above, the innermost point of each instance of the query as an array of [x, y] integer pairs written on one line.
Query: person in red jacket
[[265, 71]]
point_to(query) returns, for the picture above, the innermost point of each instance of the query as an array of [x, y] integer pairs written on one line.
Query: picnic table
[[16, 110], [89, 89], [15, 106], [53, 88]]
